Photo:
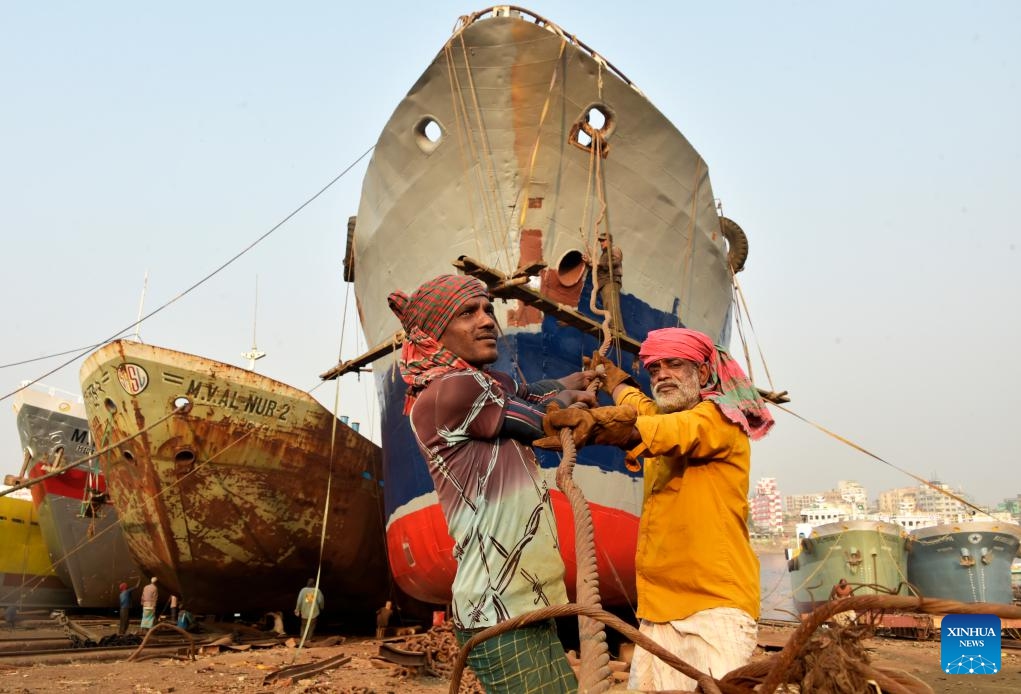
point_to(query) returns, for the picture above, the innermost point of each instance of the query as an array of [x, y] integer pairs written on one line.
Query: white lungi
[[714, 641]]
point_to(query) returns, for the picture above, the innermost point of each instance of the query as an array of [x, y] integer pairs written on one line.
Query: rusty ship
[[27, 578], [78, 521], [233, 487], [517, 148]]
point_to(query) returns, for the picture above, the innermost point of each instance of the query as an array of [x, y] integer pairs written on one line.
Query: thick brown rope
[[594, 673], [762, 676], [705, 681], [796, 644]]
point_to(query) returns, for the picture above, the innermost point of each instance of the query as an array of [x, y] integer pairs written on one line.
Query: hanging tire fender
[[737, 243], [807, 545]]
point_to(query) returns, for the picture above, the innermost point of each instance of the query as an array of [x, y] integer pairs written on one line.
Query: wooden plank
[[515, 287]]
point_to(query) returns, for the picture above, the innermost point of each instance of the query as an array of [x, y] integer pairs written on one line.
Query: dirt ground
[[244, 671]]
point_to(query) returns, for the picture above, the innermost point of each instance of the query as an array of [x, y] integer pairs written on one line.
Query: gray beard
[[685, 397]]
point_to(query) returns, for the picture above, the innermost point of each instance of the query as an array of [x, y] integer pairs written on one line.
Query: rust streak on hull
[[224, 503]]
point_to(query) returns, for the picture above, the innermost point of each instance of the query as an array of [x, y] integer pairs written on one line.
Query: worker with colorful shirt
[[475, 426]]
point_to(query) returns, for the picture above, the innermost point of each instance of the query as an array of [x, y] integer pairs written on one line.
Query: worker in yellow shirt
[[696, 572]]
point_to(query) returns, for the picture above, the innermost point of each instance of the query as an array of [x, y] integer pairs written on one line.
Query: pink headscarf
[[728, 386], [425, 316]]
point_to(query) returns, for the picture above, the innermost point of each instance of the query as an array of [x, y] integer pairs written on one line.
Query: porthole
[[597, 121], [428, 134]]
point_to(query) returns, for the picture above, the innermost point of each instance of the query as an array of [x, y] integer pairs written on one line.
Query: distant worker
[[125, 605], [475, 426], [150, 594], [699, 598], [310, 603], [842, 591], [185, 620], [11, 615], [383, 619], [609, 277], [173, 609]]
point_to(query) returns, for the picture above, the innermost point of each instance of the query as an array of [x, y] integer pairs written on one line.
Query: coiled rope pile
[[829, 662]]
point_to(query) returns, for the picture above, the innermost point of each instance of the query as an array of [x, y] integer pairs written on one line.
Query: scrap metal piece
[[295, 671], [392, 654], [80, 636]]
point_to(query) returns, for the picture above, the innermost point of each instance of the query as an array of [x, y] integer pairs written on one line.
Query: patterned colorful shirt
[[495, 501]]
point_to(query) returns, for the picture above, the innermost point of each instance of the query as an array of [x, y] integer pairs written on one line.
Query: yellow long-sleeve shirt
[[693, 548]]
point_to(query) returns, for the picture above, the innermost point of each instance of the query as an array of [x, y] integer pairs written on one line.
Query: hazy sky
[[870, 150]]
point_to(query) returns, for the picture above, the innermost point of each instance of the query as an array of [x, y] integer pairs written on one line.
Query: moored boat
[[26, 577], [78, 520], [869, 554], [516, 147], [221, 477], [968, 561]]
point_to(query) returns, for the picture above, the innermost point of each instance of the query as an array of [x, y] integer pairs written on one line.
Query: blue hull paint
[[554, 351], [964, 564]]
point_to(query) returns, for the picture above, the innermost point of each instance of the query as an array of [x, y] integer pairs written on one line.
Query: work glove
[[615, 425], [612, 375], [578, 419], [604, 426]]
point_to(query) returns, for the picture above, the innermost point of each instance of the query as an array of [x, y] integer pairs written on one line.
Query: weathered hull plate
[[26, 577], [225, 503], [84, 540]]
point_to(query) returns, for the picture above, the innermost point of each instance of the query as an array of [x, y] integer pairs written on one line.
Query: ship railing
[[467, 20]]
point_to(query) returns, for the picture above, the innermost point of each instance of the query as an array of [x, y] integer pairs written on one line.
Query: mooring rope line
[[82, 461], [862, 449], [81, 353], [164, 489]]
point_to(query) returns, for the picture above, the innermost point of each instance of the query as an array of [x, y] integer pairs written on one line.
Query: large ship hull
[[965, 562], [26, 577], [505, 179], [79, 524], [870, 554], [224, 501]]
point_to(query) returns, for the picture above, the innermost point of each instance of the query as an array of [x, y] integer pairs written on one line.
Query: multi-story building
[[930, 500], [795, 502], [853, 493], [898, 500], [767, 507], [1011, 506]]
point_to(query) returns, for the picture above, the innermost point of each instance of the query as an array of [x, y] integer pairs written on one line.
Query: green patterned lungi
[[529, 660]]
